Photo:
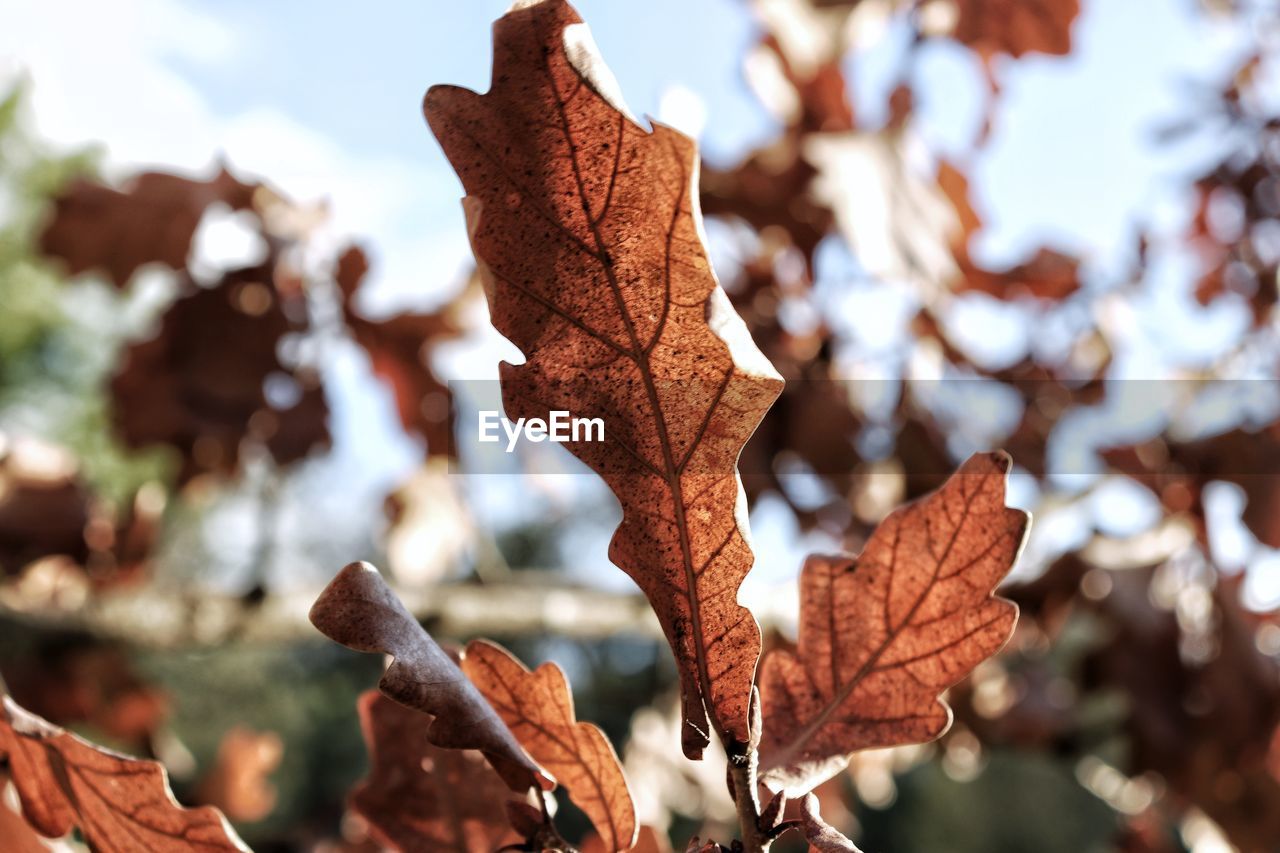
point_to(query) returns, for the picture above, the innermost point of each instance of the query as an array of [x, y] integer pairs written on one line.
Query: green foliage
[[54, 356]]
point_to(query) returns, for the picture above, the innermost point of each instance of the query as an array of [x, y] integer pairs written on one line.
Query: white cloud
[[99, 74], [105, 73]]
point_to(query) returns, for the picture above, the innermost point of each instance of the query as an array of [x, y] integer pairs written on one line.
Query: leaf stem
[[742, 784]]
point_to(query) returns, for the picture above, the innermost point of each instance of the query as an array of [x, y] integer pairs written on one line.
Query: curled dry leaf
[[152, 220], [587, 232], [539, 709], [821, 835], [422, 799], [883, 634], [359, 610], [118, 803]]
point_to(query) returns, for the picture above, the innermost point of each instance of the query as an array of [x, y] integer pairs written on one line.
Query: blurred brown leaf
[[1178, 470], [237, 783], [199, 384], [76, 680], [47, 510], [419, 798], [1016, 27], [399, 348], [151, 220]]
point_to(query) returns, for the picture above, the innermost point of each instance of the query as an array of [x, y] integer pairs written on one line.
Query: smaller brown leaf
[[883, 634], [820, 834], [539, 709], [359, 610], [419, 798], [118, 803]]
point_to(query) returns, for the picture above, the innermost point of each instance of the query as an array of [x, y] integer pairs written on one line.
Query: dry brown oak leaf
[[539, 709], [822, 836], [884, 633], [119, 803], [587, 233], [152, 220], [198, 384], [1016, 27], [419, 798], [359, 610]]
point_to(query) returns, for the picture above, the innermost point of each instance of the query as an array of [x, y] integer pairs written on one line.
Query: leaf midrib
[[794, 747], [640, 356]]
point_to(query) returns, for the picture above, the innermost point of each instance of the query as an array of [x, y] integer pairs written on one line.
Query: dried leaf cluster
[[587, 228]]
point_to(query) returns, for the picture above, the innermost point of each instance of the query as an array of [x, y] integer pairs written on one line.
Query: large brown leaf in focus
[[586, 230], [359, 610], [153, 219], [118, 803], [399, 349], [198, 385], [883, 634], [1016, 27], [539, 709], [419, 798]]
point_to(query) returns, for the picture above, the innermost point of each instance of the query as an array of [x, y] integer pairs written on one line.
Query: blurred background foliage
[[186, 361]]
